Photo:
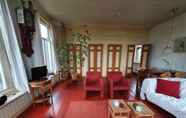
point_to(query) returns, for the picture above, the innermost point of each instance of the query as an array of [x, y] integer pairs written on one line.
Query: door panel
[[113, 57], [130, 67], [92, 59], [130, 58], [145, 55], [95, 57]]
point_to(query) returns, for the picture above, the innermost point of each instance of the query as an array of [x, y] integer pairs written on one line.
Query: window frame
[[44, 23], [47, 41]]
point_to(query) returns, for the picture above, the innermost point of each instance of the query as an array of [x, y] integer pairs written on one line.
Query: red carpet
[[87, 109], [64, 96]]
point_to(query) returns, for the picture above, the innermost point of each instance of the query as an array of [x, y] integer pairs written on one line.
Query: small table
[[45, 89], [122, 111], [42, 87], [145, 113]]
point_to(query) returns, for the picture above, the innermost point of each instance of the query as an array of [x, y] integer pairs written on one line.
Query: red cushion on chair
[[115, 76], [93, 84], [93, 76], [170, 88]]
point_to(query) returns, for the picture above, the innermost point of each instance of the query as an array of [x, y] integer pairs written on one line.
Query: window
[[137, 55], [47, 45], [2, 52], [12, 72], [2, 79]]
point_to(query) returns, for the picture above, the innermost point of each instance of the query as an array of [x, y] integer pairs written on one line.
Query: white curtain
[[53, 51], [38, 59], [3, 58], [10, 41]]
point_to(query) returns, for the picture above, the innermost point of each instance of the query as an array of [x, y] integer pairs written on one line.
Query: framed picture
[[180, 45], [20, 15]]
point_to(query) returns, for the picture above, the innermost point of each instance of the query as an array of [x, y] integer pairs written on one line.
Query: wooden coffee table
[[122, 111], [145, 113]]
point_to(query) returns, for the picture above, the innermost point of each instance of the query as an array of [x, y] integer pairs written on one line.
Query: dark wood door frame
[[95, 50]]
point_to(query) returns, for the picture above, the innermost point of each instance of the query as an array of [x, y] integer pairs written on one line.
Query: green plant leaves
[[64, 53]]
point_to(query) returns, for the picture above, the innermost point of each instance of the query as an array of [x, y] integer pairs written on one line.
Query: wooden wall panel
[[114, 57], [145, 55], [130, 58], [95, 57]]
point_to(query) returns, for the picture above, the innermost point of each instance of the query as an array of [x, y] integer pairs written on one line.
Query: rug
[[87, 109]]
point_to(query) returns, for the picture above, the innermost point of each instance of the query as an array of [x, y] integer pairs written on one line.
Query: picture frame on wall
[[20, 15], [180, 45]]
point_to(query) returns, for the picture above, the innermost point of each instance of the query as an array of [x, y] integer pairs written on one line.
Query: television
[[39, 73]]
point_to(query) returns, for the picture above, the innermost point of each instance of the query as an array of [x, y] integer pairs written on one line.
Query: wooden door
[[145, 55], [75, 64], [130, 58], [95, 57], [114, 57]]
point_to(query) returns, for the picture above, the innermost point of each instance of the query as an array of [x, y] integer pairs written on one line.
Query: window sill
[[11, 98]]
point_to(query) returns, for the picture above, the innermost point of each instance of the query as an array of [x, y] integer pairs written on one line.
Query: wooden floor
[[65, 92]]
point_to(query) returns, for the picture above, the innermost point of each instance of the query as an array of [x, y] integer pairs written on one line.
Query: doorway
[[137, 57]]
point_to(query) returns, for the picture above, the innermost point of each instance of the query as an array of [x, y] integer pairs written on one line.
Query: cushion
[[180, 74], [93, 76], [165, 75], [123, 82], [115, 76], [92, 83], [170, 88], [182, 85]]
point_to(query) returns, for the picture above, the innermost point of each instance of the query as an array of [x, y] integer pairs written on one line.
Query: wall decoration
[[20, 15], [180, 45], [25, 18]]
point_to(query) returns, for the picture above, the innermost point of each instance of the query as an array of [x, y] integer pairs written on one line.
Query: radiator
[[13, 108]]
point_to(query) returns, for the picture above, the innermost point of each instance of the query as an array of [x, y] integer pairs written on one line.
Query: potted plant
[[63, 58], [80, 39]]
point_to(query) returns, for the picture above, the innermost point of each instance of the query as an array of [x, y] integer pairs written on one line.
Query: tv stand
[[43, 89]]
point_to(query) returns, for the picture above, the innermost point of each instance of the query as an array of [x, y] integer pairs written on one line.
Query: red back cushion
[[115, 76], [93, 76], [170, 88]]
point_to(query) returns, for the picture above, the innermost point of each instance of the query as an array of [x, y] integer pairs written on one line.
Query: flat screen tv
[[39, 73]]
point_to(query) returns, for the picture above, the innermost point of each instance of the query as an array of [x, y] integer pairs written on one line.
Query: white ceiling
[[144, 13]]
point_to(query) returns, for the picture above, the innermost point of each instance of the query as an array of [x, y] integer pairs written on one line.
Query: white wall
[[107, 36], [160, 36]]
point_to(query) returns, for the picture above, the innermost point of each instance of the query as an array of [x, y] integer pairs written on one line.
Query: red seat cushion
[[170, 88], [93, 76], [115, 76], [91, 84], [122, 84]]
